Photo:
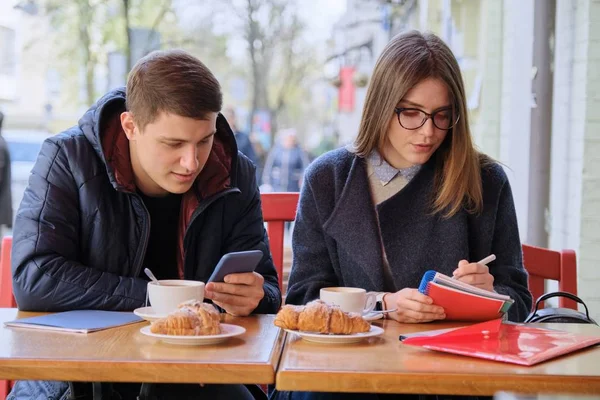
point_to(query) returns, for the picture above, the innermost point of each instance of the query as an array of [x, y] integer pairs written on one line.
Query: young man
[[150, 178]]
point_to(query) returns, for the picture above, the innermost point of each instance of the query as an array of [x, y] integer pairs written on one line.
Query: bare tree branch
[[165, 9]]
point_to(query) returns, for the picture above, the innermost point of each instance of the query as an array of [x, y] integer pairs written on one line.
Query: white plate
[[372, 316], [227, 331], [148, 314], [323, 338]]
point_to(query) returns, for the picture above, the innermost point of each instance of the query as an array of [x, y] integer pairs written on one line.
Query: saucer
[[148, 314], [227, 331], [372, 316], [324, 338]]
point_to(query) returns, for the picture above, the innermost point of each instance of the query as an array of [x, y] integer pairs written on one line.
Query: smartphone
[[235, 263]]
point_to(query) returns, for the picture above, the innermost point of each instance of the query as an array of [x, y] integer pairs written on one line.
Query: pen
[[485, 261]]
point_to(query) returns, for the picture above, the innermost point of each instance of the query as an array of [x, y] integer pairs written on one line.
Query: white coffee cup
[[168, 294], [349, 299]]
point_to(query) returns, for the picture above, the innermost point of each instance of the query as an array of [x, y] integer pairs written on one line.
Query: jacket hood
[[101, 125]]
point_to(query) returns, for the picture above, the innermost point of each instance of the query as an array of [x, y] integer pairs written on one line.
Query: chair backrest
[[277, 209], [7, 299], [6, 292], [561, 266]]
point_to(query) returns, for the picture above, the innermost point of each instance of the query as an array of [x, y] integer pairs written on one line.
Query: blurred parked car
[[24, 146]]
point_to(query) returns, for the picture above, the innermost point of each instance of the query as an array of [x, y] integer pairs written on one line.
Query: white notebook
[[79, 321]]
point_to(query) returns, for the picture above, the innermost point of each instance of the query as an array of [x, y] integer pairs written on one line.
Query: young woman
[[412, 194]]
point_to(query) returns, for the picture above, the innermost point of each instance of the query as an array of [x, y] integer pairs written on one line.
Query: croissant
[[208, 314], [318, 316], [183, 322]]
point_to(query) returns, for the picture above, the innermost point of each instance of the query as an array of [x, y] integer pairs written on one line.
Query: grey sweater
[[336, 240]]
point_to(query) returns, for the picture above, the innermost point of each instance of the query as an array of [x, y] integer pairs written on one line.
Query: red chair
[[277, 209], [6, 293], [7, 299], [561, 266]]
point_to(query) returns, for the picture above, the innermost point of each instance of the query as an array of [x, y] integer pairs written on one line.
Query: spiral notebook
[[508, 342], [461, 301], [78, 321]]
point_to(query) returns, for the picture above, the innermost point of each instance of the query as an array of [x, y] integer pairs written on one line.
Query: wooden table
[[516, 396], [125, 355], [385, 365]]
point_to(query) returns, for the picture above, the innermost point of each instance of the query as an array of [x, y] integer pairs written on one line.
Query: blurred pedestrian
[[285, 164], [242, 138]]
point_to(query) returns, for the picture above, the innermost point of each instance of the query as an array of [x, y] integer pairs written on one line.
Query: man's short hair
[[171, 81]]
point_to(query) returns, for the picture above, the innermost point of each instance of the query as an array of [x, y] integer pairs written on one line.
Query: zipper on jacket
[[140, 258], [201, 207]]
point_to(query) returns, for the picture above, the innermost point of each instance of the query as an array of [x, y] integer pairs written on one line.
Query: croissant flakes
[[318, 316], [207, 313], [192, 318]]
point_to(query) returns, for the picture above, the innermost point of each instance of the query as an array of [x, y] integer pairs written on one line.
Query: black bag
[[562, 315]]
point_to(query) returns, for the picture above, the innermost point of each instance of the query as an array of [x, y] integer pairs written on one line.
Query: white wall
[[486, 131], [587, 61], [567, 131], [516, 101], [575, 173]]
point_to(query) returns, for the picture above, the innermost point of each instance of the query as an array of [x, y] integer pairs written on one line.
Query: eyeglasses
[[413, 118]]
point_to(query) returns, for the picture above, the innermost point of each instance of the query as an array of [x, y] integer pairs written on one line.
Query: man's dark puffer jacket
[[81, 231]]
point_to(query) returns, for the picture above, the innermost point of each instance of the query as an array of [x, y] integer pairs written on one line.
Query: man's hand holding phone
[[239, 295], [234, 286]]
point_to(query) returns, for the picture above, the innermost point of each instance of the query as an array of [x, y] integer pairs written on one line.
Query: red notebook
[[461, 301], [508, 342]]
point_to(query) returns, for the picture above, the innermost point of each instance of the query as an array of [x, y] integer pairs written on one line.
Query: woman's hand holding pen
[[412, 307], [476, 274]]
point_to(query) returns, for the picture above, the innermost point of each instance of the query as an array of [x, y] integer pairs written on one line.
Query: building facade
[[498, 50]]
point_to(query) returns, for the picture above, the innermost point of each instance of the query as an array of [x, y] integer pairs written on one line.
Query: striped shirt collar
[[386, 173]]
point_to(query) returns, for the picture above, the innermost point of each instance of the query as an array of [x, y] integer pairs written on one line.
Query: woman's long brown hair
[[408, 59]]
